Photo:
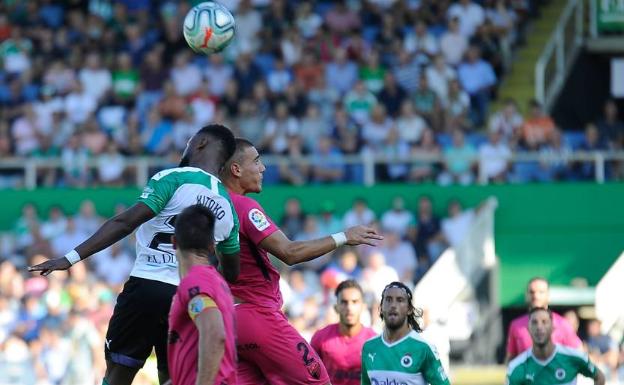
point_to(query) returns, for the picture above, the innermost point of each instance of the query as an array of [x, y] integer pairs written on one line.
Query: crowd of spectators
[[92, 82]]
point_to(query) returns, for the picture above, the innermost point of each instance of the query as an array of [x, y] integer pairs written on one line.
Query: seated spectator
[[278, 129], [111, 165], [453, 43], [426, 236], [74, 158], [293, 169], [311, 231], [25, 131], [377, 129], [428, 149], [307, 21], [470, 15], [79, 105], [97, 80], [507, 121], [308, 71], [409, 125], [439, 74], [393, 150], [341, 72], [172, 105], [93, 139], [344, 267], [60, 77], [328, 165], [248, 25], [602, 350], [494, 159], [219, 73], [279, 77], [87, 218], [346, 131], [246, 73], [427, 103], [68, 239], [420, 42], [249, 121], [292, 220], [292, 46], [328, 222], [459, 160], [456, 226], [477, 77], [407, 72], [586, 170], [555, 155], [377, 274], [359, 102], [55, 225], [457, 108], [398, 219], [126, 80], [372, 73], [359, 214], [113, 265], [611, 127], [538, 127], [399, 255], [341, 19], [489, 45], [391, 95], [313, 127], [156, 134]]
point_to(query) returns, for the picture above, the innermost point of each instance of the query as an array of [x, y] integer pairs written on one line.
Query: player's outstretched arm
[[211, 345], [113, 230], [293, 252]]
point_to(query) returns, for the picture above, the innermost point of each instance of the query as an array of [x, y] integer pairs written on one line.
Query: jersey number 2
[[306, 351]]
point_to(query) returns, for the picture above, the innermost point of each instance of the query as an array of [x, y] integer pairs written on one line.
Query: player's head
[[537, 293], [245, 167], [194, 233], [397, 308], [540, 326], [215, 140], [349, 302]]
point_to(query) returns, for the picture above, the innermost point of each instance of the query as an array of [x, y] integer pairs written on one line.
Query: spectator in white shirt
[[69, 238], [456, 226], [111, 165], [470, 14], [410, 126], [359, 214], [399, 255], [87, 218], [279, 77], [97, 80], [278, 129], [507, 121], [438, 76], [79, 105], [453, 43], [113, 264], [494, 157], [248, 24], [420, 41], [185, 75], [218, 74], [398, 219]]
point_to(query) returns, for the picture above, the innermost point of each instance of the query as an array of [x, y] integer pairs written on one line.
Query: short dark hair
[[222, 135], [348, 284], [536, 309], [194, 228]]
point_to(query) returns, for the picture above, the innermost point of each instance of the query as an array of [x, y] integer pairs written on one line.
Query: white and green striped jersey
[[167, 194], [408, 361], [560, 369]]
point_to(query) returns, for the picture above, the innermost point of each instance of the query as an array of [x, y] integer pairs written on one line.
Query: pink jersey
[[258, 281], [342, 355], [182, 352], [519, 339]]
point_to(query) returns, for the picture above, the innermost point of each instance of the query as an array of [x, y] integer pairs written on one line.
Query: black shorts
[[139, 323]]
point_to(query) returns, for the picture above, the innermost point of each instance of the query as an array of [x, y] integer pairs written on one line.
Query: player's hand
[[49, 266], [362, 235]]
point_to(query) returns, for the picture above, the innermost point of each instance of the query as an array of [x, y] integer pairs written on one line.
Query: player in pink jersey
[[201, 347], [340, 345], [519, 339], [270, 350]]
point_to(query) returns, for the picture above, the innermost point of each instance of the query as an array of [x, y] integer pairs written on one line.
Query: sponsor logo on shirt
[[146, 192], [406, 361], [372, 356], [560, 374], [387, 381], [258, 219]]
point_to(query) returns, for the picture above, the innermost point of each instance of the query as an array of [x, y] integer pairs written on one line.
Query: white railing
[[559, 53], [29, 168]]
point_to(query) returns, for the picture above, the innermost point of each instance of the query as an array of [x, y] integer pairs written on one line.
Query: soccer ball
[[209, 27]]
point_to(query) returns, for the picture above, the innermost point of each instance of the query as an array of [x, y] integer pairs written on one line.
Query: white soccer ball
[[209, 27]]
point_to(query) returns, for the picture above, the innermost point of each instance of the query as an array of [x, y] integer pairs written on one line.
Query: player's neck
[[349, 330], [186, 264], [206, 165], [231, 185], [393, 335], [543, 352]]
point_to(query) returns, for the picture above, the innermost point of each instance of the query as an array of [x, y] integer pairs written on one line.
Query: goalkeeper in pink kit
[[270, 350]]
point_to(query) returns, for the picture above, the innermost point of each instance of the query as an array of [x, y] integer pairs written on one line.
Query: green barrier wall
[[561, 231]]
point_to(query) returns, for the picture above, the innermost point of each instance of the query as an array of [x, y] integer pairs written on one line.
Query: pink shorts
[[271, 351]]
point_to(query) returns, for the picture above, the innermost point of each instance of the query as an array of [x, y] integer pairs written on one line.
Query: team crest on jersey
[[193, 291], [258, 219], [406, 361], [146, 192], [314, 369], [560, 374]]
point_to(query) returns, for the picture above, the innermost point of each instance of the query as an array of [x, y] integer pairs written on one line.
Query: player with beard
[[400, 355], [270, 349], [139, 321], [546, 362], [340, 345]]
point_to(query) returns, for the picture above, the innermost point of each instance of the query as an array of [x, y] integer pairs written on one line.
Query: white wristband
[[339, 238], [73, 257]]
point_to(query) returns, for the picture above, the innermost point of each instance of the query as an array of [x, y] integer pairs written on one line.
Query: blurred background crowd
[[94, 82]]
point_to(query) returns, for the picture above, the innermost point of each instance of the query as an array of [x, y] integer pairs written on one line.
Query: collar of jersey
[[397, 341], [189, 168], [546, 361]]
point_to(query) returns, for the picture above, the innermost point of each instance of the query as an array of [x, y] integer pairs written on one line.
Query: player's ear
[[235, 169], [174, 242]]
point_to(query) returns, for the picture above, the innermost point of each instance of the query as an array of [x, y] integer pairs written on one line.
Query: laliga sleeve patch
[[258, 219], [198, 304]]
